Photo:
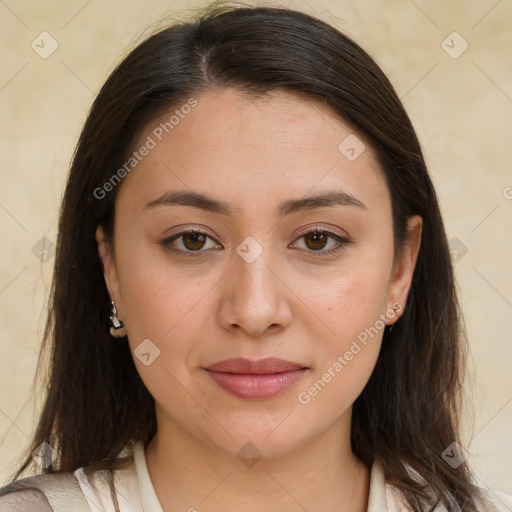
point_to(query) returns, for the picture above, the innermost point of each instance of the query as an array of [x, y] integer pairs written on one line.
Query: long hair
[[96, 403]]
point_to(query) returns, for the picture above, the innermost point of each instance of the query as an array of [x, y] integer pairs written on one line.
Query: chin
[[252, 443]]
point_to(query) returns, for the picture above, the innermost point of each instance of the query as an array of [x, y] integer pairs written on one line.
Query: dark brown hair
[[96, 404]]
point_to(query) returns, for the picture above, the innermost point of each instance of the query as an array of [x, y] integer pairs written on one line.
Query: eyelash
[[342, 241]]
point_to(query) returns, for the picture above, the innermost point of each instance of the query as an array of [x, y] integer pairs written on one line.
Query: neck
[[322, 475]]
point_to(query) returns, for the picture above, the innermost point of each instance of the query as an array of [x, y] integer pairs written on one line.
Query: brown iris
[[319, 240], [193, 241]]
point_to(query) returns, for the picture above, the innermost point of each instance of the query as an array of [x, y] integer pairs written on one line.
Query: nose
[[254, 297]]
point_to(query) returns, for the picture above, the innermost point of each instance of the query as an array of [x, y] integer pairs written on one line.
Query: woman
[[253, 300]]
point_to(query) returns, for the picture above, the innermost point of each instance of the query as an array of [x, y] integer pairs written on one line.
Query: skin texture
[[291, 302]]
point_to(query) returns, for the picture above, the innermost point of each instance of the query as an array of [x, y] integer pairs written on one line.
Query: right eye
[[192, 242]]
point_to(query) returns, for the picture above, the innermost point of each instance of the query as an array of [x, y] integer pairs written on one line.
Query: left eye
[[193, 242], [317, 239]]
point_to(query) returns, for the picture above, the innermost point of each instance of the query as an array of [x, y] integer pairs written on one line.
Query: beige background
[[461, 108]]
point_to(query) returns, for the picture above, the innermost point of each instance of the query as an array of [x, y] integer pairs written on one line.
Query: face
[[268, 273]]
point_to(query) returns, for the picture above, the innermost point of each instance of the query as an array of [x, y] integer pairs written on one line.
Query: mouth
[[254, 380]]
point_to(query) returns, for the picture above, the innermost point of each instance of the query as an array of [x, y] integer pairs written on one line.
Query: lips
[[261, 379], [248, 367]]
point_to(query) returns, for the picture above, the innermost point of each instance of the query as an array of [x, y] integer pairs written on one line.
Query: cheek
[[156, 292], [335, 386], [353, 296], [155, 301], [353, 304], [354, 312], [160, 305], [354, 309]]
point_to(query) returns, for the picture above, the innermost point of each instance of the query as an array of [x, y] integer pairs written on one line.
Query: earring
[[396, 307], [117, 330]]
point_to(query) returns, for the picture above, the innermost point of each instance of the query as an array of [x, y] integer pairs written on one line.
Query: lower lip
[[256, 386]]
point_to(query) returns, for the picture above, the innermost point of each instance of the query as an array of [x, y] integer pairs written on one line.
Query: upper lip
[[262, 366]]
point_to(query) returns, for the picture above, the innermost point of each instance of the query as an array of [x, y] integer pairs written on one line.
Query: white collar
[[147, 492]]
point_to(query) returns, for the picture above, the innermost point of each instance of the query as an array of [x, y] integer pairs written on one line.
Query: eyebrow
[[288, 207]]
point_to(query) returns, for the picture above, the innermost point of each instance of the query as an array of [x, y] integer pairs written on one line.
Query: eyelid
[[342, 241]]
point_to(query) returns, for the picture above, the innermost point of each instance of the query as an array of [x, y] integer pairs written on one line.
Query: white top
[[135, 491]]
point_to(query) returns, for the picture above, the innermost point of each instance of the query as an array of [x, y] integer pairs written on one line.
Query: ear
[[403, 268], [109, 270]]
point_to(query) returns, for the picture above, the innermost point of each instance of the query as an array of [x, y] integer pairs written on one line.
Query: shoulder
[[42, 493], [28, 500], [488, 501], [496, 501]]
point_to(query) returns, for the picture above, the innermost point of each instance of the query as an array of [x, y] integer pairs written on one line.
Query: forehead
[[252, 150]]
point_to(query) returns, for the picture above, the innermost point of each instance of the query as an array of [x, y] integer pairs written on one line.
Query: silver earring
[[117, 330]]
